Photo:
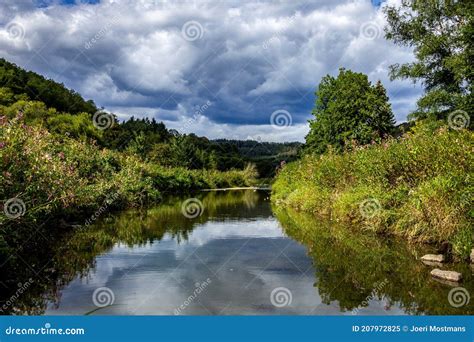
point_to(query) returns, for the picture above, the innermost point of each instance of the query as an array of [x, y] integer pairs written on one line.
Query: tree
[[348, 108], [441, 33]]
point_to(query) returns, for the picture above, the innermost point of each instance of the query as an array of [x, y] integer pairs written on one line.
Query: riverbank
[[45, 175], [419, 186], [263, 188]]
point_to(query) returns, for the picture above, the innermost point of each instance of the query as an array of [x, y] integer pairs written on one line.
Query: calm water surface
[[229, 260]]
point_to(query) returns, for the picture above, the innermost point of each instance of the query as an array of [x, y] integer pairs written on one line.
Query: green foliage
[[24, 85], [133, 131], [348, 108], [420, 184], [61, 175], [441, 33], [267, 156]]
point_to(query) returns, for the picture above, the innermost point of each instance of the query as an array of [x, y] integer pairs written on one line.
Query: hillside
[[17, 83]]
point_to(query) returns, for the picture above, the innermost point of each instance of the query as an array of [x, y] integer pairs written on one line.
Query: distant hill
[[39, 88], [252, 148], [267, 156]]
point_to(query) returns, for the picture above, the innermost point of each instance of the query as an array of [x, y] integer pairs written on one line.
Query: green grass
[[419, 187]]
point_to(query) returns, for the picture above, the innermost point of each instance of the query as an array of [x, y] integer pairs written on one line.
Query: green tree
[[348, 108], [75, 126], [441, 33]]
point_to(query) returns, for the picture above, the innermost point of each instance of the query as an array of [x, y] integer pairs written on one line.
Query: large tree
[[348, 108], [441, 32]]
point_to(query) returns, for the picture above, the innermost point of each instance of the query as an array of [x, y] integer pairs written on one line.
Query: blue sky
[[217, 68]]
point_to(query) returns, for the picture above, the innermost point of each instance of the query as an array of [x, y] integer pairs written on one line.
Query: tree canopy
[[348, 108], [441, 33]]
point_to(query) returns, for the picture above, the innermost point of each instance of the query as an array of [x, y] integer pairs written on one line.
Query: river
[[234, 255]]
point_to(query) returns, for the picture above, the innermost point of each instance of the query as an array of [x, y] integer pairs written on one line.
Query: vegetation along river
[[239, 255]]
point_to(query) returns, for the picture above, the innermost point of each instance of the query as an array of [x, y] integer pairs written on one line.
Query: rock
[[446, 282], [433, 257], [446, 275], [472, 255], [433, 263]]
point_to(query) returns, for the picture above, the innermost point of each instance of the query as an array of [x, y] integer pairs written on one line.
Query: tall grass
[[62, 176], [419, 186]]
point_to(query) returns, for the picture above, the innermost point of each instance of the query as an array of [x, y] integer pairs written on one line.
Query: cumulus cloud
[[163, 58]]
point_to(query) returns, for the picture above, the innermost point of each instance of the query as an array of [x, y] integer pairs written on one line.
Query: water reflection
[[366, 274], [156, 261]]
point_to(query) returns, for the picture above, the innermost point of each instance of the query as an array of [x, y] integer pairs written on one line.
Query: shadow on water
[[44, 269]]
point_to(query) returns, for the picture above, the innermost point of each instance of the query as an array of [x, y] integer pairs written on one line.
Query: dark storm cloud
[[248, 59]]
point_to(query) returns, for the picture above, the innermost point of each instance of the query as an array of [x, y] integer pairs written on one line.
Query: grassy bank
[[54, 175], [419, 187]]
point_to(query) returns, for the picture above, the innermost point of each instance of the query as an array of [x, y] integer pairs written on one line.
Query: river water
[[234, 255]]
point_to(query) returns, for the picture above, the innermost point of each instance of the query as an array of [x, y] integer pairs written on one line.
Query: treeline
[[414, 180], [266, 156]]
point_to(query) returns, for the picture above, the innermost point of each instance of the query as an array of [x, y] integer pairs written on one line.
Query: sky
[[222, 69]]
